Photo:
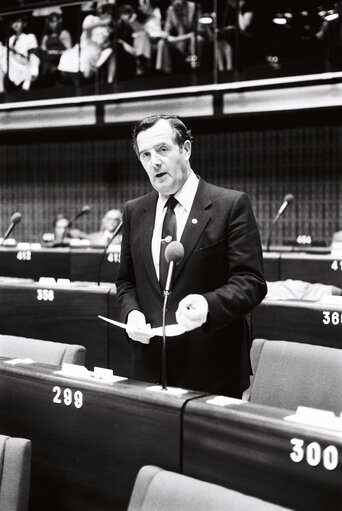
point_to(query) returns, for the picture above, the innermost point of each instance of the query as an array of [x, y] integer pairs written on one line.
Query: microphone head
[[15, 218], [85, 209], [289, 198], [174, 252]]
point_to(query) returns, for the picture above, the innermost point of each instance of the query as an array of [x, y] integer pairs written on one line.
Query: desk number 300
[[314, 454], [68, 397]]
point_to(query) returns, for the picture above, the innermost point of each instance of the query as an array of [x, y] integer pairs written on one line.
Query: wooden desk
[[311, 268], [85, 264], [30, 263], [271, 266], [119, 352], [58, 313], [86, 458], [300, 321], [77, 264], [247, 447]]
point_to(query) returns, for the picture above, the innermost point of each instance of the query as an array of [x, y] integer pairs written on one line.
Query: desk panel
[[58, 313], [271, 266], [45, 262], [247, 447], [300, 321], [85, 264], [119, 346], [87, 458], [311, 268]]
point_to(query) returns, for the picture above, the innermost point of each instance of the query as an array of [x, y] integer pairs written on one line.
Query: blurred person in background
[[109, 223], [55, 40], [62, 233], [21, 66], [94, 52]]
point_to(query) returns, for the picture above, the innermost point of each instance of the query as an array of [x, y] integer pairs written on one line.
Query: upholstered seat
[[289, 374], [44, 352], [160, 490], [15, 464]]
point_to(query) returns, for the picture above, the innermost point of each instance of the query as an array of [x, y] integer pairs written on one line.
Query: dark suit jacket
[[223, 262]]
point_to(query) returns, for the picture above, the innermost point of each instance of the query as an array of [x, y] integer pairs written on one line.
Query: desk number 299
[[314, 454], [67, 397]]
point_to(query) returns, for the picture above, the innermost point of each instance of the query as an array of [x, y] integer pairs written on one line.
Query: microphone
[[116, 231], [15, 219], [84, 211], [288, 199], [286, 202], [174, 254]]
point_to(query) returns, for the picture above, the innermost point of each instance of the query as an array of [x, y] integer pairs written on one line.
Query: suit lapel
[[146, 225], [195, 225]]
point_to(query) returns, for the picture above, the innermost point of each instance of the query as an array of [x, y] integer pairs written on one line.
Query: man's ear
[[187, 148]]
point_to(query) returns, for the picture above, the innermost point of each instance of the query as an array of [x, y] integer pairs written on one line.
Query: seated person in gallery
[[21, 65], [62, 233], [94, 51], [109, 223], [184, 37], [55, 40]]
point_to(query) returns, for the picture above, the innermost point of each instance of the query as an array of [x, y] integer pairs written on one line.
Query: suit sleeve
[[125, 283], [245, 286]]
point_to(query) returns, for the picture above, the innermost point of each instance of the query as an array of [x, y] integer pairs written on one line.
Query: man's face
[[178, 4], [60, 227], [111, 220], [17, 26], [99, 35], [167, 164]]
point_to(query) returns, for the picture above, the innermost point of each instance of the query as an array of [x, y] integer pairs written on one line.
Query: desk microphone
[[288, 199], [84, 211], [286, 202], [174, 254], [15, 219], [116, 231]]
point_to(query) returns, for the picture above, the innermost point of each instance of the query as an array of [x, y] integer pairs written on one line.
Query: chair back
[[289, 374], [15, 466], [43, 352], [156, 489]]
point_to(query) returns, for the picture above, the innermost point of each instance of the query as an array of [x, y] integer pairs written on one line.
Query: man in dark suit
[[217, 283]]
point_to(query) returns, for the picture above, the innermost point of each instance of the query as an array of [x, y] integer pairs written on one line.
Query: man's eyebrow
[[157, 146]]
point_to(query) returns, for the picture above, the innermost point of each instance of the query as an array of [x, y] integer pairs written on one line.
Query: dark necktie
[[169, 233]]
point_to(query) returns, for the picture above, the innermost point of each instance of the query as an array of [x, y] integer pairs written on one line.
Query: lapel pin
[[194, 220]]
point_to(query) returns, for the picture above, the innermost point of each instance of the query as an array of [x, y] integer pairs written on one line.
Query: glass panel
[[77, 48]]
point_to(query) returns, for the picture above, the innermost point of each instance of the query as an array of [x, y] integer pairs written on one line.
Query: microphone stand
[[163, 375], [116, 231], [268, 243], [167, 293], [85, 210]]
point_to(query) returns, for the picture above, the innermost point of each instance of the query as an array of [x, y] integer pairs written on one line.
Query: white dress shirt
[[185, 197]]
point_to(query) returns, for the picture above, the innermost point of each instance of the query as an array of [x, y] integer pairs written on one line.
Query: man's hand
[[192, 311], [137, 329]]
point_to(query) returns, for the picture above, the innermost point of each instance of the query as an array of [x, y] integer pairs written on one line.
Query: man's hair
[[180, 131]]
